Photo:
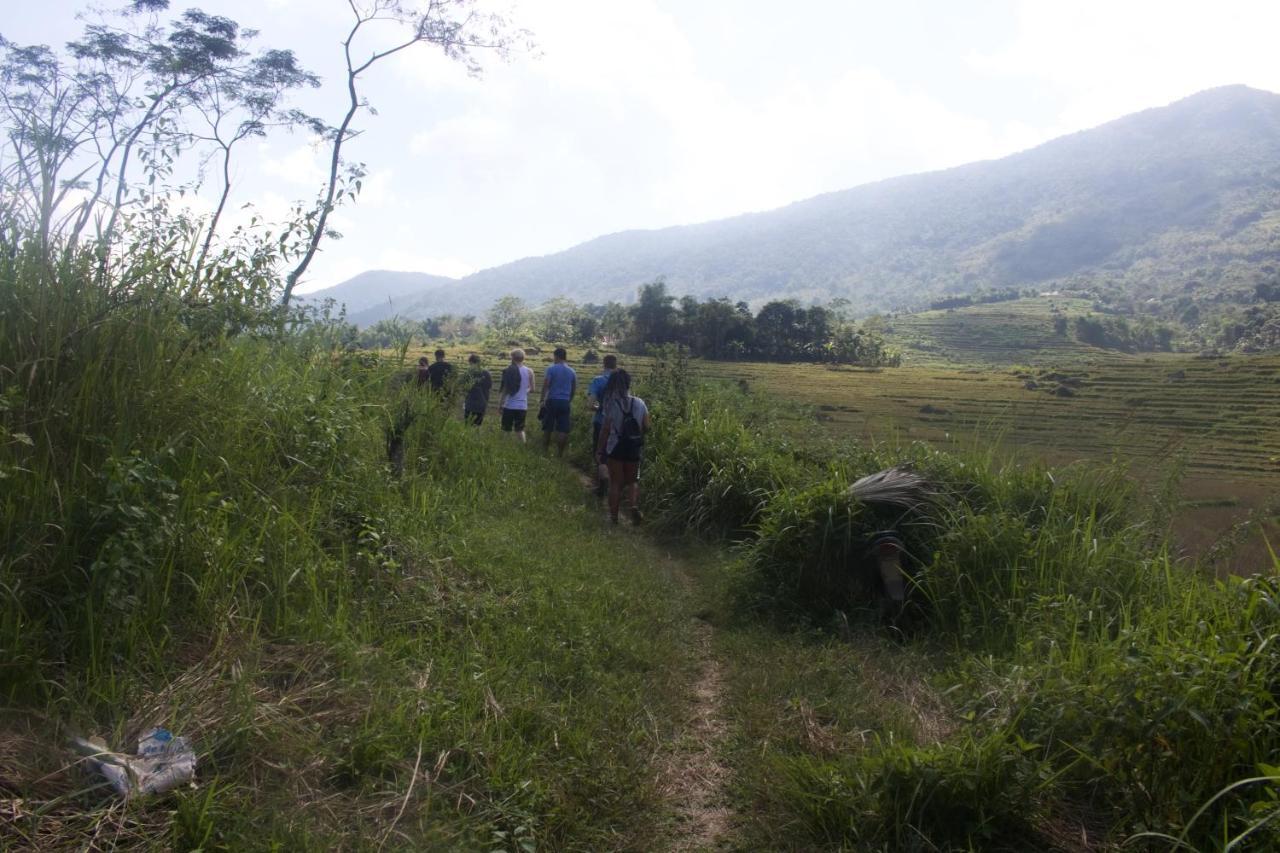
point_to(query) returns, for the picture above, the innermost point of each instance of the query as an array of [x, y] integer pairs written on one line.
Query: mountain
[[1178, 200], [375, 294]]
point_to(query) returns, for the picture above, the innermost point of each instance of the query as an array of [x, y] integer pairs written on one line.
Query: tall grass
[[202, 530], [1092, 677]]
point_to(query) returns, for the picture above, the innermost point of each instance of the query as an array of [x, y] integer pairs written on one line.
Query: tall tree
[[508, 315], [246, 105], [126, 90], [457, 27], [653, 315]]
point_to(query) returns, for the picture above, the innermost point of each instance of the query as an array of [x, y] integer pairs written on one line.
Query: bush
[[975, 793], [810, 555]]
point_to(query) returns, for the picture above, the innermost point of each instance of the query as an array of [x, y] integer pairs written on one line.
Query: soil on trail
[[691, 776], [694, 778]]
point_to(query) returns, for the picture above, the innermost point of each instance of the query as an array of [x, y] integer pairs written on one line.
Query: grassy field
[[999, 373], [205, 531], [997, 333], [1214, 422], [1067, 685]]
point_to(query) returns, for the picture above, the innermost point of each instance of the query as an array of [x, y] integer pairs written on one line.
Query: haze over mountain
[[1174, 200]]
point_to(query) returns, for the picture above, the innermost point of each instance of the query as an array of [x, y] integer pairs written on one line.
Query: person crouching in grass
[[626, 420]]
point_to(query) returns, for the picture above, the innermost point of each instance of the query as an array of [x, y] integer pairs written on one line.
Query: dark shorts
[[624, 472], [557, 419], [473, 418], [513, 419]]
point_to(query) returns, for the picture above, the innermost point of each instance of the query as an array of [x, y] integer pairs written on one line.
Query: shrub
[[974, 793]]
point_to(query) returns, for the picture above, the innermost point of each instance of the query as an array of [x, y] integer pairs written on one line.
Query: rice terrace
[[649, 426], [1217, 417]]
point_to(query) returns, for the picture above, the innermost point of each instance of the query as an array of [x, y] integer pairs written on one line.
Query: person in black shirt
[[481, 383], [438, 374]]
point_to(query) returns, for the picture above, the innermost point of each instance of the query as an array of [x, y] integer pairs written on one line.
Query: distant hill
[[1183, 199], [375, 294]]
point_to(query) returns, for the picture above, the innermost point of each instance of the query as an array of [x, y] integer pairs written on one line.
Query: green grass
[[1218, 421], [1064, 676], [998, 333], [201, 531]]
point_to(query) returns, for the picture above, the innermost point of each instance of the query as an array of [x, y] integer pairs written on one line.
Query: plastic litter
[[162, 763]]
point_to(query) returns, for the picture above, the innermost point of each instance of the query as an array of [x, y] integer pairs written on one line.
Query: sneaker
[[636, 515]]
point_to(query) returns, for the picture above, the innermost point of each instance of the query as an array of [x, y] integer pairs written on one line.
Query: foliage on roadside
[[200, 530], [1090, 675]]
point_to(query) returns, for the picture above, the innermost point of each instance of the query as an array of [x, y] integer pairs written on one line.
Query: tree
[[125, 93], [553, 321], [615, 322], [653, 315], [586, 328], [508, 316], [243, 106], [721, 330], [777, 325], [454, 26]]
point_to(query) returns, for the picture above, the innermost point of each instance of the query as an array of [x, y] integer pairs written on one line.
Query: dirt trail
[[691, 777]]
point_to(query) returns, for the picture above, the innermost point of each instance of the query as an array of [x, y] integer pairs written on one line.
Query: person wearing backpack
[[595, 392], [626, 420], [513, 394], [481, 383]]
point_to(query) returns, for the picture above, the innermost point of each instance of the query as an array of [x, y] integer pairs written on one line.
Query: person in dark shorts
[[513, 394], [438, 374], [626, 421], [595, 393], [558, 386], [480, 383], [424, 371]]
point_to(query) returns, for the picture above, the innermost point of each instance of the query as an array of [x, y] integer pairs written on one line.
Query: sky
[[648, 113]]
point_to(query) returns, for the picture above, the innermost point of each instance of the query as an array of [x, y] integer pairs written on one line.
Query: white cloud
[[302, 165], [471, 134], [1107, 59]]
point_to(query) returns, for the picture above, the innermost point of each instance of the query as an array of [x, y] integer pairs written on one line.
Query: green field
[[1019, 331], [999, 374]]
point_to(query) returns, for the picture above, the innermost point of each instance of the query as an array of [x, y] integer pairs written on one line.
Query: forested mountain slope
[[374, 294], [1182, 199]]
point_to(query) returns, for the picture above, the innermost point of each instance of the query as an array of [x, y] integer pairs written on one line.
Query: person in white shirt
[[513, 394]]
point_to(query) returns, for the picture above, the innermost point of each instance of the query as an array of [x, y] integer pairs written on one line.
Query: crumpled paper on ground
[[162, 763]]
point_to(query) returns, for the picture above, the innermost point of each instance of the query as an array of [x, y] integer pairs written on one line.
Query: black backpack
[[631, 435], [511, 380]]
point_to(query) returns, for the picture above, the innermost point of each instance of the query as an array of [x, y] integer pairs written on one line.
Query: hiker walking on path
[[438, 374], [513, 394], [480, 384], [595, 393], [558, 386], [626, 420]]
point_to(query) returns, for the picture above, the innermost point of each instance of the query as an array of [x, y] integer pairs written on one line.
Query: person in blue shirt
[[558, 386], [595, 392]]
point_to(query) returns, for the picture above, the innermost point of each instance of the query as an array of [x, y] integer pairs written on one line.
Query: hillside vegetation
[[1062, 684], [203, 530], [199, 529], [1176, 204]]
